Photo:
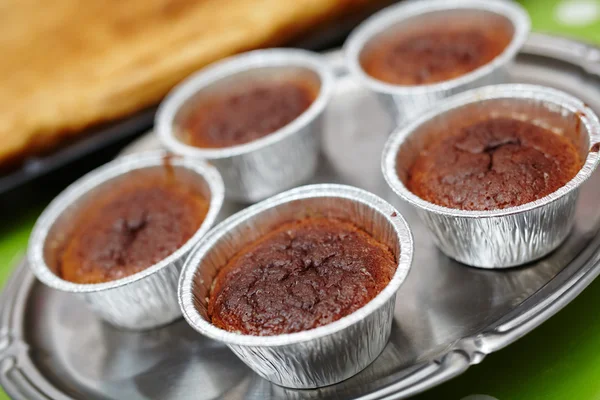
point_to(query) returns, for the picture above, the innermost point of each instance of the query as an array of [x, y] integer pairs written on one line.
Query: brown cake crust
[[67, 67], [300, 276], [131, 227], [247, 114], [493, 164], [436, 54]]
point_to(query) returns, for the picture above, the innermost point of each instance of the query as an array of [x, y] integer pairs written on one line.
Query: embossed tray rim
[[21, 379]]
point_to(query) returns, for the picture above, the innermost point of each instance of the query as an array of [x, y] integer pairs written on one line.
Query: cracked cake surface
[[302, 275], [131, 226], [433, 53], [247, 113], [493, 164]]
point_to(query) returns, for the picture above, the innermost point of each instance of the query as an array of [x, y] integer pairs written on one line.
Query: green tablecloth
[[561, 359], [558, 361]]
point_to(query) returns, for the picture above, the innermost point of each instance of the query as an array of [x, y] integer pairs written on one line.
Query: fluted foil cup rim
[[394, 14], [114, 169], [404, 237], [185, 91], [505, 91]]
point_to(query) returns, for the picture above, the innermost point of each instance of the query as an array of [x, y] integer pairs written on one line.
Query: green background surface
[[558, 361]]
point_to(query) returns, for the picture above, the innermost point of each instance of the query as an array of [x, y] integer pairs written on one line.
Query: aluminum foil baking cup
[[510, 236], [148, 298], [320, 356], [407, 102], [281, 160]]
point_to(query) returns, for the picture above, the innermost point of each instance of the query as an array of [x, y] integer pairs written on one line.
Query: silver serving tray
[[448, 316]]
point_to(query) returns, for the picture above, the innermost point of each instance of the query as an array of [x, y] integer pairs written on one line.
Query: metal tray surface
[[448, 316]]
